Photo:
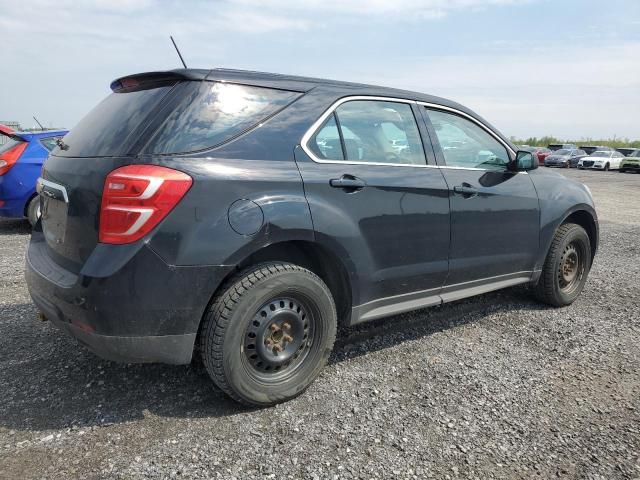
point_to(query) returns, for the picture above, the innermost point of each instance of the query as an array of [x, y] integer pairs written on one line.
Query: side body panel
[[394, 232], [559, 197]]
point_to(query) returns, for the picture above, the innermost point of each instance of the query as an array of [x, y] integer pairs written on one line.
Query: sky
[[569, 68]]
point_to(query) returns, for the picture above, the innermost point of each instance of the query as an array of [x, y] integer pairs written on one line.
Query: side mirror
[[524, 162]]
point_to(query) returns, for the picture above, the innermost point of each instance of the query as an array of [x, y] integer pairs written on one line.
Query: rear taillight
[[136, 198], [9, 158]]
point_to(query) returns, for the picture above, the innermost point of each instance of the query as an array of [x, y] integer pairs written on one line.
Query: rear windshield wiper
[[61, 144]]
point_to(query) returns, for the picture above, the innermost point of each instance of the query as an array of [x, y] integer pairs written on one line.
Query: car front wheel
[[266, 337], [566, 267]]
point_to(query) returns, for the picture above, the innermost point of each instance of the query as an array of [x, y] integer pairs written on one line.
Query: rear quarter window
[[212, 113]]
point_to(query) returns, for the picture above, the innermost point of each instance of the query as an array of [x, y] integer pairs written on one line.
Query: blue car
[[21, 159]]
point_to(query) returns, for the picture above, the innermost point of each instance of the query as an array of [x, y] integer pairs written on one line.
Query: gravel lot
[[493, 387]]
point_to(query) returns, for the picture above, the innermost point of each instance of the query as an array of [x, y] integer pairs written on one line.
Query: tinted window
[[49, 143], [213, 112], [106, 130], [465, 144], [380, 132], [563, 151], [326, 143]]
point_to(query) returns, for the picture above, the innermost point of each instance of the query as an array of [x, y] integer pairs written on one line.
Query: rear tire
[[566, 267], [269, 333], [33, 210]]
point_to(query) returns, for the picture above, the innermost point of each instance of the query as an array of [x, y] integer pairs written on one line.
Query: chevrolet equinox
[[242, 216]]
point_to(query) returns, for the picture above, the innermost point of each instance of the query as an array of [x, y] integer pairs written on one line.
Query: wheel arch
[[313, 256], [25, 209], [586, 220]]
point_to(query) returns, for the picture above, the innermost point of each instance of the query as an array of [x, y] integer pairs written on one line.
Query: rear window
[[212, 113], [107, 130], [11, 142], [49, 143]]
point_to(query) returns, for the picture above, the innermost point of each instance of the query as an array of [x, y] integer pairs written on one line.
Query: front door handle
[[466, 190], [348, 183]]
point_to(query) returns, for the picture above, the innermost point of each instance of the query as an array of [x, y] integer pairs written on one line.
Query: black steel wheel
[[279, 338], [566, 267], [268, 333]]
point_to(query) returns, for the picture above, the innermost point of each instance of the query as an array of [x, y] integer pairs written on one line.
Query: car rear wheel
[[266, 337], [566, 267], [33, 210]]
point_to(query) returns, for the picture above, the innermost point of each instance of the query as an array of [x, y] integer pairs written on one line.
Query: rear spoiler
[[143, 81], [10, 132]]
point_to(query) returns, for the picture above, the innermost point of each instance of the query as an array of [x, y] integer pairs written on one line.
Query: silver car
[[564, 157]]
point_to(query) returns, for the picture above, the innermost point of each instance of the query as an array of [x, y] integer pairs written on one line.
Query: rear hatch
[[147, 119]]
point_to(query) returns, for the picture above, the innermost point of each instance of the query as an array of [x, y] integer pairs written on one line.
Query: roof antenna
[[41, 127], [178, 50]]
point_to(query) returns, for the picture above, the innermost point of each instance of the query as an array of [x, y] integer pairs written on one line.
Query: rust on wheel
[[571, 267], [278, 338]]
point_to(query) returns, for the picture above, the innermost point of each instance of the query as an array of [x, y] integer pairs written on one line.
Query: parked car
[[626, 151], [566, 158], [562, 146], [602, 160], [21, 158], [631, 163], [203, 211], [594, 148]]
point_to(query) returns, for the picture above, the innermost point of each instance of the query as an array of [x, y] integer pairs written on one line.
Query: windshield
[[563, 151], [600, 154]]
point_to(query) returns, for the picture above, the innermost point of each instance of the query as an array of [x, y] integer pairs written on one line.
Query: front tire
[[566, 267], [268, 335]]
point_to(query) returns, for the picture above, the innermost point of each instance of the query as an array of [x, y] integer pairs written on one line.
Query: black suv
[[243, 215]]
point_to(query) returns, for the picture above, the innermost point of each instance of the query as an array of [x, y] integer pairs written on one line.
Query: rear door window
[[377, 131], [212, 113], [326, 144]]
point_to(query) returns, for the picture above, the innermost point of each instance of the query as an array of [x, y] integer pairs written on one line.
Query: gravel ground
[[493, 387]]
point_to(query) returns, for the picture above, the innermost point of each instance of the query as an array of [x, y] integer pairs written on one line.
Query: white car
[[602, 160]]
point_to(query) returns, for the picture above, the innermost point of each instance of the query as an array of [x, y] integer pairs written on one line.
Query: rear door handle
[[348, 182], [466, 190]]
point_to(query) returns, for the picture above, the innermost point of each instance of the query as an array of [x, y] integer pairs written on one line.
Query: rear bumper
[[146, 311], [173, 349]]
